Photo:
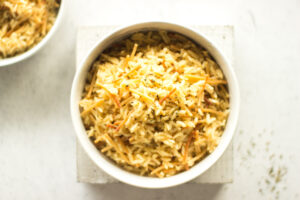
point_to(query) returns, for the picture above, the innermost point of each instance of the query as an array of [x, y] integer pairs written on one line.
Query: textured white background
[[37, 141]]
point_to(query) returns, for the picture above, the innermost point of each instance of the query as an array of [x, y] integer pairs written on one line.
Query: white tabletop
[[37, 140]]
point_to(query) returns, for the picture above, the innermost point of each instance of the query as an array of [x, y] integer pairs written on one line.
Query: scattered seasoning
[[271, 170], [273, 181], [249, 152], [267, 181], [273, 188]]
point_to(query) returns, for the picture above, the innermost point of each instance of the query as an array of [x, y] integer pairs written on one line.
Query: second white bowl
[[38, 46]]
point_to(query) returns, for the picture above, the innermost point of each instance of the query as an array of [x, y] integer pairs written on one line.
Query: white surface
[[36, 136], [88, 171]]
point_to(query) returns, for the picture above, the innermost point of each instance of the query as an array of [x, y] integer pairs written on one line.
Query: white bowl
[[38, 46], [107, 165]]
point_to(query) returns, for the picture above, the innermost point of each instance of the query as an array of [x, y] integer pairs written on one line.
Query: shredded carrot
[[111, 126], [117, 123], [128, 73], [201, 92], [45, 20], [167, 96], [194, 77], [210, 80], [186, 109], [126, 101], [186, 150], [137, 165], [196, 135], [108, 138], [16, 27], [125, 63], [170, 170], [86, 111], [142, 95], [123, 122], [133, 70], [157, 169], [119, 76], [164, 64], [134, 50], [112, 96], [212, 111], [216, 82], [88, 95], [121, 125], [116, 101], [106, 149]]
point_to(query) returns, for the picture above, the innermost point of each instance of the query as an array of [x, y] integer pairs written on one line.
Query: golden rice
[[155, 103], [24, 23]]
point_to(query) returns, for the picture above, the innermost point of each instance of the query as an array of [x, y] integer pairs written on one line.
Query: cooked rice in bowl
[[155, 103], [24, 23]]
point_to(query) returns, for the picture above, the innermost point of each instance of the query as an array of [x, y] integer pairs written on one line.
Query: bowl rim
[[127, 177], [23, 56]]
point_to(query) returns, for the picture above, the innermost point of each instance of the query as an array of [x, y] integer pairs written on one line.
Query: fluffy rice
[[24, 23], [155, 103]]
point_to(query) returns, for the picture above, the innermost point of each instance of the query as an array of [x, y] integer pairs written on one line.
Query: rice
[[24, 23], [155, 103]]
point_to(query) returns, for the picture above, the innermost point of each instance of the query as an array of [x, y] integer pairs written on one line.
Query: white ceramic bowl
[[37, 47], [107, 165]]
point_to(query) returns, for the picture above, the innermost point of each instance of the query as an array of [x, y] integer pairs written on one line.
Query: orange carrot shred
[[124, 75], [125, 63], [123, 122], [91, 85], [201, 92], [164, 64], [134, 50], [116, 147], [187, 145], [86, 111], [167, 96], [121, 125], [111, 126], [116, 100], [119, 76], [112, 96], [117, 123]]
